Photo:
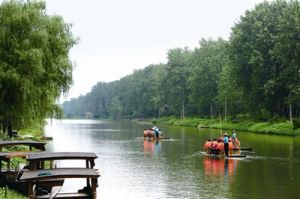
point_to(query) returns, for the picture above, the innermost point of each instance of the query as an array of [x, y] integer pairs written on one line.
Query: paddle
[[54, 191]]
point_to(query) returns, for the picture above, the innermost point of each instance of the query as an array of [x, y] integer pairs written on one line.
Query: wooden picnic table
[[33, 177]]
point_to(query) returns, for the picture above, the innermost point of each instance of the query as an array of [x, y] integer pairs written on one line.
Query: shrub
[[296, 123]]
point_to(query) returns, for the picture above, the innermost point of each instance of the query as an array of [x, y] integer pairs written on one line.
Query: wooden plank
[[61, 156], [59, 173], [54, 191], [246, 148], [65, 195], [222, 156], [236, 156]]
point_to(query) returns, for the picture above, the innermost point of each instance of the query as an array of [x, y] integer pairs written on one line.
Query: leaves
[[34, 62]]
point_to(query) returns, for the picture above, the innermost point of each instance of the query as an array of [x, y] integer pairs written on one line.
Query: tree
[[209, 59], [265, 48], [178, 71], [34, 64]]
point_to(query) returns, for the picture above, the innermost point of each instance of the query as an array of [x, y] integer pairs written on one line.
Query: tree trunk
[[9, 129], [182, 110], [211, 111], [225, 111], [290, 109], [291, 115]]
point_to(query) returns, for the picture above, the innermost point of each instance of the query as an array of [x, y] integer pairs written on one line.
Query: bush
[[296, 123]]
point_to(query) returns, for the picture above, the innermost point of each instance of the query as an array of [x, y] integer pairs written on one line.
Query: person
[[156, 132], [226, 147], [233, 137]]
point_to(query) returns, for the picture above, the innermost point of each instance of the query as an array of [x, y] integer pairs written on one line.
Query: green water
[[133, 168]]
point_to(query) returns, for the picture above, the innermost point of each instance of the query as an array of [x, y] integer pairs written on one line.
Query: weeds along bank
[[274, 128]]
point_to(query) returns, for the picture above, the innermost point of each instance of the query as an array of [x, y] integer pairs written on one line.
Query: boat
[[149, 134], [215, 148]]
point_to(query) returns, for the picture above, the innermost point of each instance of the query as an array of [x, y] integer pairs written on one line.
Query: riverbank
[[34, 133], [273, 128], [10, 194]]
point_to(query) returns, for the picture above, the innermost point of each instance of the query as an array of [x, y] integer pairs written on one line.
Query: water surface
[[133, 168]]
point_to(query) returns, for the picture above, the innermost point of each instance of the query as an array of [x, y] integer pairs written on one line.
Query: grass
[[275, 128], [10, 194]]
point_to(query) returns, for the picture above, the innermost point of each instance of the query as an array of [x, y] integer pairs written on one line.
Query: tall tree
[[209, 59], [265, 53], [178, 71], [34, 63]]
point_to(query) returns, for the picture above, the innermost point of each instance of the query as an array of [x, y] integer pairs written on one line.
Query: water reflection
[[220, 168], [152, 146]]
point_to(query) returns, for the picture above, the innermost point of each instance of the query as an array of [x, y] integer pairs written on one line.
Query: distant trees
[[34, 63], [256, 73]]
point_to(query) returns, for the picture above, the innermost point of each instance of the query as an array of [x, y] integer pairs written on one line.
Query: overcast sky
[[119, 36]]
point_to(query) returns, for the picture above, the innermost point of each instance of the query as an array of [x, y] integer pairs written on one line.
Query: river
[[133, 168]]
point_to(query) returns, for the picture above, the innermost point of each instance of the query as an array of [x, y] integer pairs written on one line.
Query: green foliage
[[255, 76], [264, 49], [296, 123], [34, 64], [278, 128], [176, 77], [209, 61], [11, 194]]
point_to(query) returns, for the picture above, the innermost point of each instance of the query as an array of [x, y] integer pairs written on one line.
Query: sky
[[117, 37]]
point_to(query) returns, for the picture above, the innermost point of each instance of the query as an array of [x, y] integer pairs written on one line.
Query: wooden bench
[[36, 160]]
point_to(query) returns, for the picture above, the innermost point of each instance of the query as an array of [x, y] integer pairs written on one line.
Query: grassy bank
[[34, 133], [275, 128]]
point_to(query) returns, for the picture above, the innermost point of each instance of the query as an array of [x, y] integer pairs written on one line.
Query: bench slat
[[65, 195]]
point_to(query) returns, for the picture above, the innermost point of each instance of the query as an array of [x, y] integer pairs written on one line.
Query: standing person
[[233, 137], [156, 132], [226, 147]]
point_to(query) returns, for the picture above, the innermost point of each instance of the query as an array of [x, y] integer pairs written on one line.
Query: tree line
[[256, 73]]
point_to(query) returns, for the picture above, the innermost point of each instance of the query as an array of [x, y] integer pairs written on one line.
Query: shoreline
[[271, 128]]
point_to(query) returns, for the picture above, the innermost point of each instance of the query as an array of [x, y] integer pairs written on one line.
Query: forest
[[254, 74]]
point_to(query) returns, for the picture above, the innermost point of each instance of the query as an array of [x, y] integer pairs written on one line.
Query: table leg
[[30, 191], [94, 188]]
